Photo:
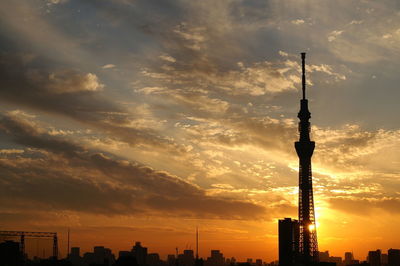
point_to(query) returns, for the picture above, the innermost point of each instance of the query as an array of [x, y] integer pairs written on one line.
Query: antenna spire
[[68, 245], [303, 63], [197, 242]]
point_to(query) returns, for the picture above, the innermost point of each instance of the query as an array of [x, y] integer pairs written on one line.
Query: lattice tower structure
[[308, 244]]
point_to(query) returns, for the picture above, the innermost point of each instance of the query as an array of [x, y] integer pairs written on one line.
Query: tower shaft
[[308, 246]]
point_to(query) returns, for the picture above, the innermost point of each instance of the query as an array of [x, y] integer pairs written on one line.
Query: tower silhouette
[[308, 246]]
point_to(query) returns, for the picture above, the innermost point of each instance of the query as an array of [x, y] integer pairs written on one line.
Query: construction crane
[[23, 235]]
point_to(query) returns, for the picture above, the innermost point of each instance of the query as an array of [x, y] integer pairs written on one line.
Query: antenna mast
[[197, 242], [68, 245], [303, 63]]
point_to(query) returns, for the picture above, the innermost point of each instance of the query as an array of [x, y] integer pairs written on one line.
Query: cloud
[[65, 91], [67, 176], [194, 37], [75, 95], [298, 21], [64, 81], [346, 163], [257, 79], [350, 148], [56, 2], [11, 151], [327, 69], [267, 133], [282, 53], [168, 58], [334, 34], [200, 87], [108, 66], [366, 206]]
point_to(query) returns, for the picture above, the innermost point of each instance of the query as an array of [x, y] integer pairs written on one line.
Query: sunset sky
[[138, 120]]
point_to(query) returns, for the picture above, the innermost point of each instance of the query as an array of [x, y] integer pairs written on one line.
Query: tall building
[[75, 256], [99, 254], [336, 260], [216, 259], [140, 253], [187, 258], [393, 257], [153, 259], [308, 246], [171, 260], [288, 231], [374, 258], [102, 256], [324, 256], [75, 252], [126, 258], [10, 253], [348, 258], [384, 259]]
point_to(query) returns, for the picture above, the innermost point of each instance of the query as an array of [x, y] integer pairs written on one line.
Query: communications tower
[[308, 245]]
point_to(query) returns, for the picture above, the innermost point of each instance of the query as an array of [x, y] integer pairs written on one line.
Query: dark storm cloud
[[69, 177]]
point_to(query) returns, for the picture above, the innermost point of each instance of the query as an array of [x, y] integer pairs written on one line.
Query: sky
[[138, 120]]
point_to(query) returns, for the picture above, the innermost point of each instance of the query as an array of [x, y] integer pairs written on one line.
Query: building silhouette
[[348, 258], [384, 259], [374, 258], [393, 257], [323, 256], [153, 259], [126, 258], [10, 253], [326, 259], [216, 259], [171, 260], [140, 253], [75, 256], [187, 258], [289, 235], [336, 260], [75, 252], [100, 256]]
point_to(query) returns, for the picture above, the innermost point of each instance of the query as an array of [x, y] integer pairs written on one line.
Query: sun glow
[[311, 227]]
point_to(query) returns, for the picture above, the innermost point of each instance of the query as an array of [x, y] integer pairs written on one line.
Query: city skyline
[[131, 120], [76, 255]]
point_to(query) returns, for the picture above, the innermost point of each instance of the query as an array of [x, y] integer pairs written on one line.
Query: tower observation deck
[[308, 245]]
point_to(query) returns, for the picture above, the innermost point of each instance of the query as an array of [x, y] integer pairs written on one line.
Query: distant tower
[[68, 245], [197, 243], [308, 246], [198, 261]]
